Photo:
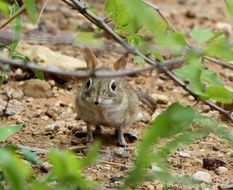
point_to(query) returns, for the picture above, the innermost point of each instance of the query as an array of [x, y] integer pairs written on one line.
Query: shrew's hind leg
[[97, 130], [89, 139]]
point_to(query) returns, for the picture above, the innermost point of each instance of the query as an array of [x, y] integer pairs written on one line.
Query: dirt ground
[[51, 122]]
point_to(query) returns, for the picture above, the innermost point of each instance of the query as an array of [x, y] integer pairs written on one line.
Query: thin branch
[[19, 12], [83, 74], [171, 26], [155, 7], [218, 62], [101, 24]]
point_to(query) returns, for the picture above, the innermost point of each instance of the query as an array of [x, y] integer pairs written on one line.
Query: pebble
[[55, 126], [37, 88], [221, 170], [183, 154], [191, 98], [15, 106], [14, 94], [155, 168], [45, 118], [2, 105], [160, 99], [202, 176]]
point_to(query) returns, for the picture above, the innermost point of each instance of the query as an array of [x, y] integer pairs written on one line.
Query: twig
[[227, 65], [171, 26], [42, 10], [19, 12], [82, 74], [101, 24]]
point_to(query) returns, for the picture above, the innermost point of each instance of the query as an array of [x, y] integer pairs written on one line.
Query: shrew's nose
[[96, 102]]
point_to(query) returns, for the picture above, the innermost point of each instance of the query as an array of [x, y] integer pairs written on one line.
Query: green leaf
[[213, 126], [4, 8], [67, 170], [173, 41], [39, 74], [16, 27], [210, 77], [138, 60], [174, 120], [201, 34], [31, 9], [29, 156], [6, 131], [229, 8], [220, 94], [15, 170], [192, 74], [92, 155]]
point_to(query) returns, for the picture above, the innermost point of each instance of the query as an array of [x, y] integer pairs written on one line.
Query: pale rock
[[55, 126], [37, 88], [15, 106], [160, 99], [155, 168], [225, 27], [203, 176], [221, 170], [45, 118], [2, 105], [14, 93], [46, 57], [183, 154], [52, 83]]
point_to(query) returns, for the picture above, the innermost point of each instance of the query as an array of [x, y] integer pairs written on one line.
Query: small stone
[[183, 154], [55, 126], [155, 168], [221, 170], [190, 14], [37, 88], [206, 108], [14, 94], [29, 99], [160, 99], [2, 105], [19, 71], [15, 106], [45, 118], [52, 83], [212, 163], [191, 98], [45, 167], [203, 176]]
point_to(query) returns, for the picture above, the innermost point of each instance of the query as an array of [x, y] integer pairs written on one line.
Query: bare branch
[[82, 74], [19, 12], [171, 26], [218, 62], [79, 6]]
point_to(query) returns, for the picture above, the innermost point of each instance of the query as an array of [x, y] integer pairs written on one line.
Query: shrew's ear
[[121, 63], [90, 59]]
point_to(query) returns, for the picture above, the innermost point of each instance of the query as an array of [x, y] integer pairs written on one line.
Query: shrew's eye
[[89, 83], [113, 85]]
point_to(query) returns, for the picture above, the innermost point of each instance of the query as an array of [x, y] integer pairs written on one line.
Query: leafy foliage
[[31, 9], [172, 126], [9, 130]]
